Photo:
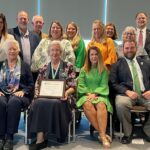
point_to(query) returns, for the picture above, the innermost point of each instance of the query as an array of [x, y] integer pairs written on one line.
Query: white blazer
[[2, 51]]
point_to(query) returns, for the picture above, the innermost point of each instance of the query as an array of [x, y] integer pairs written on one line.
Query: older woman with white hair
[[16, 86], [52, 115], [128, 34]]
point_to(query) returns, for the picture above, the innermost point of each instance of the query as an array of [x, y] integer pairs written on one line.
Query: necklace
[[52, 69]]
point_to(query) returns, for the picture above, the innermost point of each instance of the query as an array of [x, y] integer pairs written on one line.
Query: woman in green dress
[[73, 35], [93, 93]]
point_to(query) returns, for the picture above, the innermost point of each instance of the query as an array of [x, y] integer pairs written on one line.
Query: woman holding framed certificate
[[93, 93], [51, 112]]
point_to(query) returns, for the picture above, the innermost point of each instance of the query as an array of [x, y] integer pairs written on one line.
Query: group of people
[[29, 57]]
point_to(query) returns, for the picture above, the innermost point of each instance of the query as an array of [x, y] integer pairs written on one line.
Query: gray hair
[[129, 29], [22, 11], [55, 42], [34, 17], [13, 41]]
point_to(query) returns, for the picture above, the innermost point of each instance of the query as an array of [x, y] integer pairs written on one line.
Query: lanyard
[[54, 74]]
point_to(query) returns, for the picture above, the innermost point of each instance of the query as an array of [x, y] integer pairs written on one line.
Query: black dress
[[52, 115]]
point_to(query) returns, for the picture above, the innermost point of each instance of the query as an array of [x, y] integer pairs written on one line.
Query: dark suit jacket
[[121, 78], [147, 42], [26, 80], [33, 38]]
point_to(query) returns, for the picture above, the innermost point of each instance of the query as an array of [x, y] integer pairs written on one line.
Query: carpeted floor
[[83, 141]]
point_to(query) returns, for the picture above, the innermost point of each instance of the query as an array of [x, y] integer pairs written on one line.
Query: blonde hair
[[76, 39], [100, 64], [102, 27]]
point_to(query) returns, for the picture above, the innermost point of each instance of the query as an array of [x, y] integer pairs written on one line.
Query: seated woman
[[93, 93], [16, 86], [52, 116]]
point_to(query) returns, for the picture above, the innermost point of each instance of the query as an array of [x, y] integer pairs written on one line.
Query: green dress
[[80, 54], [93, 82]]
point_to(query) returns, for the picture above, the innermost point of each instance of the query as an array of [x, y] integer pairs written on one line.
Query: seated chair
[[139, 116]]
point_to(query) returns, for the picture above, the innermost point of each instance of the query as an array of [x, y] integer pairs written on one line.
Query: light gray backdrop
[[83, 12]]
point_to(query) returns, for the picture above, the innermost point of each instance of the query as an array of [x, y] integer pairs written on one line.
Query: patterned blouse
[[41, 58]]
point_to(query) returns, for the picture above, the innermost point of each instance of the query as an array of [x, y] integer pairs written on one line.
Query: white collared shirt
[[25, 42], [140, 75]]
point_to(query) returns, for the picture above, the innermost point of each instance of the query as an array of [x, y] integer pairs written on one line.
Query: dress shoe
[[61, 140], [92, 129], [2, 142], [105, 142], [146, 137], [38, 146], [8, 145], [126, 140]]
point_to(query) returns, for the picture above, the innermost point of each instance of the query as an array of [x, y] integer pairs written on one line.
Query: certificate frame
[[52, 88]]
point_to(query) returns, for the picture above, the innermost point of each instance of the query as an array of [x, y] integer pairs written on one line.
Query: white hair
[[7, 42], [129, 29], [33, 18], [55, 42]]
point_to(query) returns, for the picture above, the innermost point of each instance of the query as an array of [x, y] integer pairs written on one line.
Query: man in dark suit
[[28, 40], [130, 78], [143, 34]]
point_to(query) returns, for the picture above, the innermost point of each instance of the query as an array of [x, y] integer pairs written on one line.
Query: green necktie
[[135, 78]]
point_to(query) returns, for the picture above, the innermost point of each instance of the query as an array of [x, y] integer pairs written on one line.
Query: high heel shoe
[[109, 138], [38, 146], [105, 142]]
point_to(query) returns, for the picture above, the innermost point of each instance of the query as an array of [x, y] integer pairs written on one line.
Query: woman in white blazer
[[3, 36]]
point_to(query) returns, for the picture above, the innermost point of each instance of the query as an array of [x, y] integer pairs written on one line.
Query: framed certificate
[[52, 88]]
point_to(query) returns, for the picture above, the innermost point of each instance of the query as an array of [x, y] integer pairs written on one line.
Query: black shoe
[[61, 140], [126, 140], [146, 137], [8, 145], [38, 146], [92, 129], [2, 142]]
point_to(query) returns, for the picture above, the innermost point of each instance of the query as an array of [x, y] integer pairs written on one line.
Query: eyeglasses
[[129, 33]]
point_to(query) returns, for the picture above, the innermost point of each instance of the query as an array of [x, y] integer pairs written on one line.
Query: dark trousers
[[10, 109]]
